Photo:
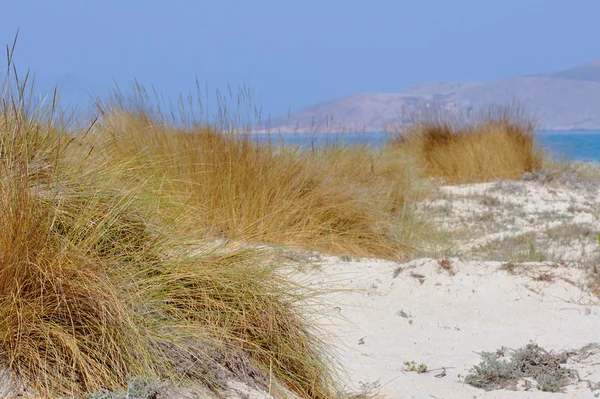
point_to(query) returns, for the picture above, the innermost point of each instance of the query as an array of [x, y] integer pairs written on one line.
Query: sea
[[572, 145]]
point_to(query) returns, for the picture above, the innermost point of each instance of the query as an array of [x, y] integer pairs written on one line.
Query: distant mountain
[[588, 72], [565, 100]]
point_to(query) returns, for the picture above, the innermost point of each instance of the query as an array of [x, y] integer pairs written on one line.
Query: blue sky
[[297, 53]]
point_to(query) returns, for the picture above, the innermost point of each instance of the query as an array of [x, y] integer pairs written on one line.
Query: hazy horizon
[[296, 54]]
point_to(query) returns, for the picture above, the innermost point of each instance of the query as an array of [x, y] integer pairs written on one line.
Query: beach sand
[[497, 290], [390, 313]]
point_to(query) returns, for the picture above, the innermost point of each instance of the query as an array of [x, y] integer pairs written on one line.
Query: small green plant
[[598, 238], [413, 366], [137, 388]]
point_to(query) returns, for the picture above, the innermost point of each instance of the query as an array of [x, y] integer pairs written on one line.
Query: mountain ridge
[[563, 100]]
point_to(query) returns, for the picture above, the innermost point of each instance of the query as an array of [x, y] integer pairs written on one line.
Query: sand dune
[[497, 289], [422, 312], [443, 312]]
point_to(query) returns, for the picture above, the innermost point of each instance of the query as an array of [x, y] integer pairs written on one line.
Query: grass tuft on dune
[[96, 288], [482, 145], [338, 200]]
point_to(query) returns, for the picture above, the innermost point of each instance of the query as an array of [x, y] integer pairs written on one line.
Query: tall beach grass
[[492, 143], [97, 286], [337, 199]]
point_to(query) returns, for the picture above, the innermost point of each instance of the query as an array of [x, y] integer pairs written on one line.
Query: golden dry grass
[[98, 282], [89, 296], [495, 143], [237, 300], [64, 325], [97, 286], [339, 200]]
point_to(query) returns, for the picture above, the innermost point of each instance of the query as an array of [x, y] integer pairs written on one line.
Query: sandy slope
[[380, 314], [392, 313], [502, 220], [389, 313]]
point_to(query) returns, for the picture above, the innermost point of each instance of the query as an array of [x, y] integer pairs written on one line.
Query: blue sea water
[[563, 145], [572, 145]]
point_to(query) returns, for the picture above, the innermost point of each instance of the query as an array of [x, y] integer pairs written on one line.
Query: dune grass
[[63, 323], [97, 285], [102, 278], [337, 199], [484, 145]]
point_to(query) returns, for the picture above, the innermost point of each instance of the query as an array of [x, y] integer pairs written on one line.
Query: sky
[[295, 53]]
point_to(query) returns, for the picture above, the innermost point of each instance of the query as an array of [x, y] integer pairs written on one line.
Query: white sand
[[390, 313], [427, 316]]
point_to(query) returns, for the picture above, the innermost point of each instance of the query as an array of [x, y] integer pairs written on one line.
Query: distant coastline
[[573, 131], [573, 145], [351, 132], [563, 101]]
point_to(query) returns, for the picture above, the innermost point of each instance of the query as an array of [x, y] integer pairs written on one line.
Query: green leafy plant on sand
[[413, 366]]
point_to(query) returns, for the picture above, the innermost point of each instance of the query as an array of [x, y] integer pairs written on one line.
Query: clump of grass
[[339, 200], [227, 297], [95, 288], [65, 326], [89, 299], [517, 249], [531, 361], [477, 146]]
